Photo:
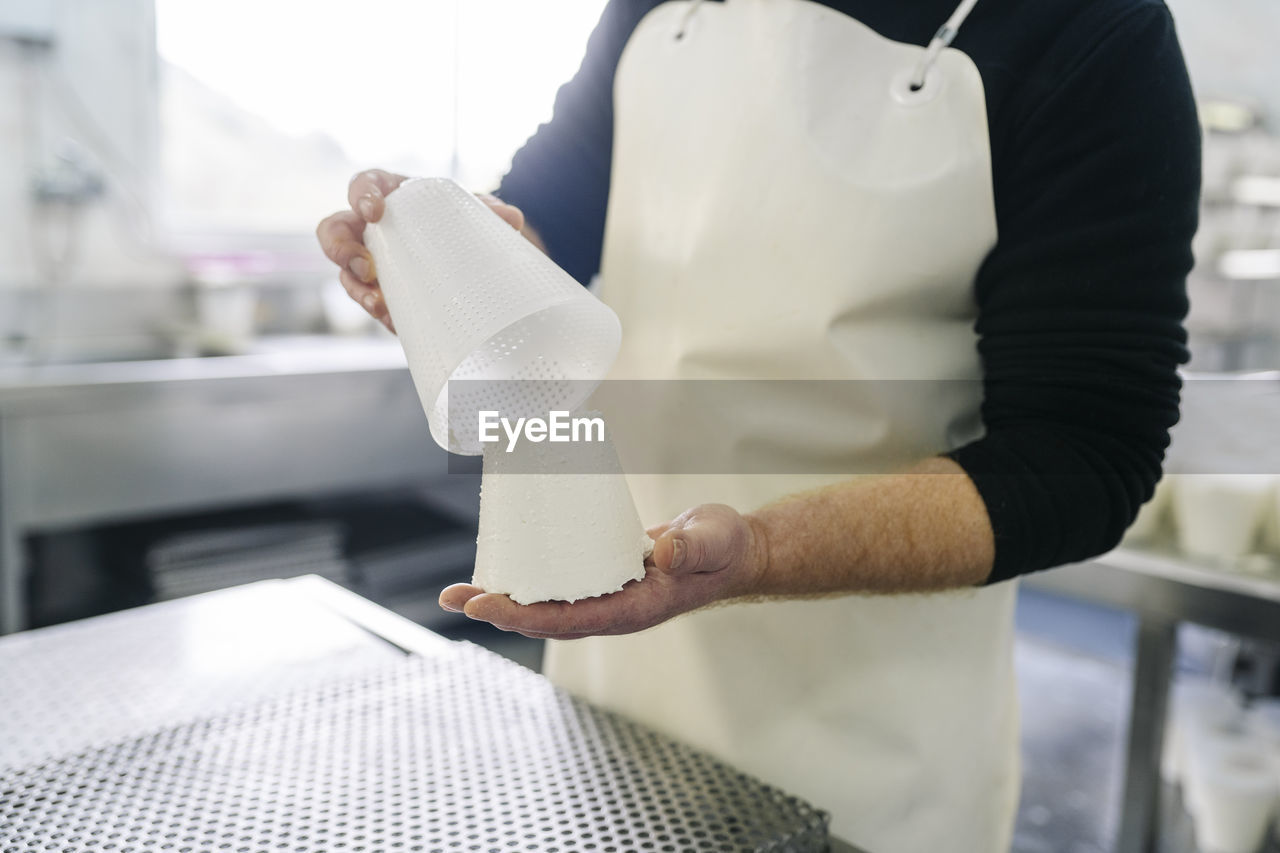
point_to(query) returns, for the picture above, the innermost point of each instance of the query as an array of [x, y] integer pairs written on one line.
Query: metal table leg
[[1139, 821], [12, 615], [12, 600]]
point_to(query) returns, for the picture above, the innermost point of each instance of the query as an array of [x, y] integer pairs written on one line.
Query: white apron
[[783, 207]]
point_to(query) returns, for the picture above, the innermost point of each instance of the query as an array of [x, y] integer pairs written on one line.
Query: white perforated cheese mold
[[472, 299], [461, 752]]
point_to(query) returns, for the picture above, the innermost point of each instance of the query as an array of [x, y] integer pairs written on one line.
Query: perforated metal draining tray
[[72, 687], [464, 751]]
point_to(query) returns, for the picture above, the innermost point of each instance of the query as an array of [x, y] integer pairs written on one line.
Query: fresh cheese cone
[[557, 522]]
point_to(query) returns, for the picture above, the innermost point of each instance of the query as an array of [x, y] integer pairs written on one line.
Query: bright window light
[[268, 106]]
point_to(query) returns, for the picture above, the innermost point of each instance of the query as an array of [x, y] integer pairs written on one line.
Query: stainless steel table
[[1162, 590], [295, 715], [96, 443]]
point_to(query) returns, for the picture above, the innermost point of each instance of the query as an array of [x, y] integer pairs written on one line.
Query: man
[[794, 190]]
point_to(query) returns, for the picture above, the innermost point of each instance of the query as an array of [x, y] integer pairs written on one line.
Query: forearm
[[926, 529]]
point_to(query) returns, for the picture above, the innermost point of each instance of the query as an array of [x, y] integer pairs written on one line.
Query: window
[[267, 107]]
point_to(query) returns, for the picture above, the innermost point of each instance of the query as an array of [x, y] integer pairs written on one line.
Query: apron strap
[[941, 39], [946, 33], [688, 16]]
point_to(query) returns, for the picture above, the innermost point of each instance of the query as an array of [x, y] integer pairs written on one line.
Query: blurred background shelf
[[1162, 590], [82, 446], [1165, 584]]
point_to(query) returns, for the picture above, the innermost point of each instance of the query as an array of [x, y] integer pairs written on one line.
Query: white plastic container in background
[[473, 299], [1236, 795], [1195, 703], [557, 523], [1219, 516], [1264, 720], [1204, 741], [226, 317]]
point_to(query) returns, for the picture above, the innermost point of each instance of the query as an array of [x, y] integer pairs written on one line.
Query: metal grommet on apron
[[786, 204]]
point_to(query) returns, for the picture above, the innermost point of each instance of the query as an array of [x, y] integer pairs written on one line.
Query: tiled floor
[[1074, 707]]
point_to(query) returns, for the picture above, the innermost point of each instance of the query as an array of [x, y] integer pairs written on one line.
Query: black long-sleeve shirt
[[1095, 152]]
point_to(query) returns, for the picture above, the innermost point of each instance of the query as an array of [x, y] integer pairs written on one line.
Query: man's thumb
[[688, 549]]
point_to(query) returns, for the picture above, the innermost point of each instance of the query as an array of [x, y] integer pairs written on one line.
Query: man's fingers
[[707, 539], [458, 596], [544, 617], [455, 596], [368, 295], [535, 635], [511, 214], [663, 552], [340, 239], [638, 605], [368, 190], [657, 530]]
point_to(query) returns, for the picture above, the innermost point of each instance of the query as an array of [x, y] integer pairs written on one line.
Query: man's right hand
[[342, 236]]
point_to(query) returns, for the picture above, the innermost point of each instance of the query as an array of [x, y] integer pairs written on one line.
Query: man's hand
[[342, 236], [707, 554], [922, 530]]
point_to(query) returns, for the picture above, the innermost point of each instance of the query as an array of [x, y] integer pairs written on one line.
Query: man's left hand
[[707, 554]]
